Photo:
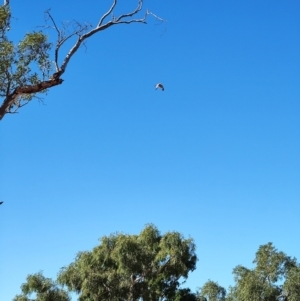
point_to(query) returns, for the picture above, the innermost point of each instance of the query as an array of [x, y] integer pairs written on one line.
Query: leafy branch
[[27, 69]]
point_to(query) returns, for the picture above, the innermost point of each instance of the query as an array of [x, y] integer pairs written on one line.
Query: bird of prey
[[1, 203], [159, 85]]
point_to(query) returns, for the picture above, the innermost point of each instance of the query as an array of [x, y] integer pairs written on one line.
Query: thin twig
[[107, 13]]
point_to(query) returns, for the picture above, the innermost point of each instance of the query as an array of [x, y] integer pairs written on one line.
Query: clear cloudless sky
[[215, 156]]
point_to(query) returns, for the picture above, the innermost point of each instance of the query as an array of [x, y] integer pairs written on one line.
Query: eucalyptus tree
[[34, 64], [147, 267], [211, 291], [151, 267], [275, 277]]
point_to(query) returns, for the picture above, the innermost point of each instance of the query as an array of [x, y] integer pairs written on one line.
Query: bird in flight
[[1, 203], [159, 85]]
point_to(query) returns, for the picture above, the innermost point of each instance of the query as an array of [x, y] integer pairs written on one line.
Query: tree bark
[[10, 100]]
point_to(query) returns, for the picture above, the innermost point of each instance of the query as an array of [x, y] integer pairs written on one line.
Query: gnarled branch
[[12, 102], [12, 99]]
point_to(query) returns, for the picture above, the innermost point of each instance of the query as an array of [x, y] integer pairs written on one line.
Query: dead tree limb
[[13, 98]]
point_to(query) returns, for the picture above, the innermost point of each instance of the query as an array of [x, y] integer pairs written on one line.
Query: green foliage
[[4, 20], [185, 294], [212, 291], [25, 63], [44, 289], [250, 286], [147, 266], [275, 277], [272, 265], [291, 286], [34, 48]]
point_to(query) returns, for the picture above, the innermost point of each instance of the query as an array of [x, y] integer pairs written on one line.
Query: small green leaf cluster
[[43, 288], [25, 63], [212, 291], [34, 48], [4, 20]]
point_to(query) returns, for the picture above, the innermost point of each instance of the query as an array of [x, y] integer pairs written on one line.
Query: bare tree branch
[[57, 44], [12, 100], [108, 12], [101, 27], [155, 16], [139, 7], [62, 37], [14, 92], [18, 105]]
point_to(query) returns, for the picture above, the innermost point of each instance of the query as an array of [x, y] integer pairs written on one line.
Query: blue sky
[[215, 156]]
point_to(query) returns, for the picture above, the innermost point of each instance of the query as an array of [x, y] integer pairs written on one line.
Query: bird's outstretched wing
[[159, 85]]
